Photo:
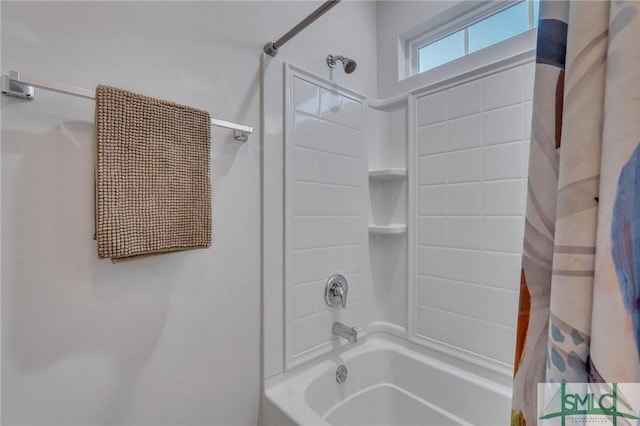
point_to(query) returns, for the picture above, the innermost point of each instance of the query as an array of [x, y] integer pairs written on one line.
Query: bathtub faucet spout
[[349, 333]]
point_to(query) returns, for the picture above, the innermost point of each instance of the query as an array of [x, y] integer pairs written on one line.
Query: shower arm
[[271, 48]]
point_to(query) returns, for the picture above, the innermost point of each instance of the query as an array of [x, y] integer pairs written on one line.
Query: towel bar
[[22, 86]]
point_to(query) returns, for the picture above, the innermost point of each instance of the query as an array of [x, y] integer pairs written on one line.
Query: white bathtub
[[390, 382]]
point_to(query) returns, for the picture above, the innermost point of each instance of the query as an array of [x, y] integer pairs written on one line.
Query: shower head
[[348, 64]]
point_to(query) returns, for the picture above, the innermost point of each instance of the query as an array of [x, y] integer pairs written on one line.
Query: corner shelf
[[386, 186], [388, 174], [393, 228]]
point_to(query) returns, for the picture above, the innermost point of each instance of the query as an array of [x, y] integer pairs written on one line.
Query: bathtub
[[389, 382]]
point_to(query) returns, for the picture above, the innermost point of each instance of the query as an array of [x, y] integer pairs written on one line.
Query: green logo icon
[[580, 401]]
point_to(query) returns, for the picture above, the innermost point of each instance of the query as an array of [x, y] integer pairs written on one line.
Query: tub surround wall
[[464, 142], [319, 144], [471, 168], [324, 211]]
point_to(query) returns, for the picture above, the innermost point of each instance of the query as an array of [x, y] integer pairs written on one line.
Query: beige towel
[[153, 193]]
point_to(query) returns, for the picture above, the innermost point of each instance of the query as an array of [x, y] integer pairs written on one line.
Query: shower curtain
[[579, 317]]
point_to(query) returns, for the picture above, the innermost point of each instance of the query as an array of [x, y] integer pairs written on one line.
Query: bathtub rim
[[292, 402]]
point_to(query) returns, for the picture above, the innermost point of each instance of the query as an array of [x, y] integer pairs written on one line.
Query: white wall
[[167, 340]]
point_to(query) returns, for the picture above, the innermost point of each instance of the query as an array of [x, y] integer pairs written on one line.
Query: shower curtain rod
[[271, 48], [22, 86]]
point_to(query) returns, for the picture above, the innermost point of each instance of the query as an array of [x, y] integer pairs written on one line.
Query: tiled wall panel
[[471, 176], [324, 214]]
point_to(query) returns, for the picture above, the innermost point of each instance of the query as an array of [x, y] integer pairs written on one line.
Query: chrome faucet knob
[[336, 291], [339, 293]]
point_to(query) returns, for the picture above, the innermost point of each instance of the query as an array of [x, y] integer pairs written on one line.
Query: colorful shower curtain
[[579, 318]]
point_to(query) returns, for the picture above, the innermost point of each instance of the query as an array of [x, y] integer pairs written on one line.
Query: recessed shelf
[[393, 228], [388, 174]]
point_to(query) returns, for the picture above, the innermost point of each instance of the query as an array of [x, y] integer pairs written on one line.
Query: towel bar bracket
[[241, 136], [12, 87]]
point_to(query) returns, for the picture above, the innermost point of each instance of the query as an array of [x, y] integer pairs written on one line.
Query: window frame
[[463, 21]]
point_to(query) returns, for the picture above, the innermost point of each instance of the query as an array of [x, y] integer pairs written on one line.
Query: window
[[483, 27]]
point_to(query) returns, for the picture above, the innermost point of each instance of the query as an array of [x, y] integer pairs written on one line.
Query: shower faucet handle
[[336, 291]]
